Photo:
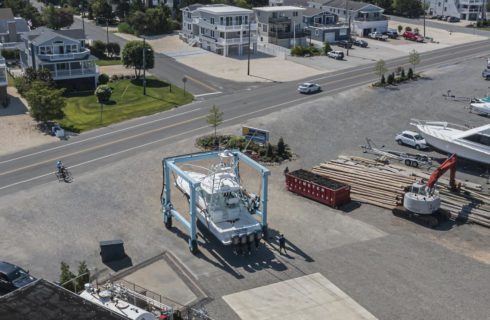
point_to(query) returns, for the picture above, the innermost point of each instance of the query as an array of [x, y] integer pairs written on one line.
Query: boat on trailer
[[223, 205], [469, 143]]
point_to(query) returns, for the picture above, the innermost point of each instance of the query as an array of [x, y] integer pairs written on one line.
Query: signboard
[[255, 134]]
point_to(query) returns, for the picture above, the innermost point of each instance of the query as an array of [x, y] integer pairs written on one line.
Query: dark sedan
[[361, 43], [13, 277], [344, 44]]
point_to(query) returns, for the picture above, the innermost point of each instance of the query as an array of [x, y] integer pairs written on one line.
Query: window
[[264, 28], [212, 33], [189, 26], [221, 34], [189, 15], [211, 20], [221, 20], [295, 13], [246, 19]]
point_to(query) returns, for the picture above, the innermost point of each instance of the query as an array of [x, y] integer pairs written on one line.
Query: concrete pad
[[160, 278], [308, 297]]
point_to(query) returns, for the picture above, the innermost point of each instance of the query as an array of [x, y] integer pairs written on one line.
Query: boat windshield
[[418, 137], [479, 138]]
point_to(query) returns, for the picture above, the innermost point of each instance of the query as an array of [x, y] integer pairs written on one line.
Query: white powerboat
[[468, 143], [223, 205], [480, 107]]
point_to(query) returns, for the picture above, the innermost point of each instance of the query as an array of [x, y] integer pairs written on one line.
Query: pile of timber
[[384, 186]]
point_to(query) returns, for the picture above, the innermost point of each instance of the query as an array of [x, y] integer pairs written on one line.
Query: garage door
[[329, 37]]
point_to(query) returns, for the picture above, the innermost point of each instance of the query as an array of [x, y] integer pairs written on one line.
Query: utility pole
[[294, 33], [249, 40], [83, 16], [107, 29], [144, 66], [424, 16], [349, 22]]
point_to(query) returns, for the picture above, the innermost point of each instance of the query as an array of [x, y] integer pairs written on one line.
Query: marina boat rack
[[384, 155], [469, 143], [385, 185]]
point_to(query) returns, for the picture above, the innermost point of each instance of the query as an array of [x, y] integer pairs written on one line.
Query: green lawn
[[82, 112], [108, 62]]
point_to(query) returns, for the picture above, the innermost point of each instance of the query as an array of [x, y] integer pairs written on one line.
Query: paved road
[[92, 149]]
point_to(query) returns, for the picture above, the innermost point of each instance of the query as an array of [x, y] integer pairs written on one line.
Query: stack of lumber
[[384, 185]]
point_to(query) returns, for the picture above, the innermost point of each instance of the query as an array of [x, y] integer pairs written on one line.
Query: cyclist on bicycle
[[60, 166]]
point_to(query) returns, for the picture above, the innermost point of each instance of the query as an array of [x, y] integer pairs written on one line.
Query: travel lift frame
[[170, 165]]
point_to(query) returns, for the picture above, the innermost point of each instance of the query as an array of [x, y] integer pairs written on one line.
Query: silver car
[[411, 138], [309, 87]]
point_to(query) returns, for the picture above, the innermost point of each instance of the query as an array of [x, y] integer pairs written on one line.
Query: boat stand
[[170, 165]]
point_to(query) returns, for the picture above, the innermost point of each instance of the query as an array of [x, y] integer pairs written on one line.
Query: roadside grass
[[10, 80], [109, 62], [83, 111]]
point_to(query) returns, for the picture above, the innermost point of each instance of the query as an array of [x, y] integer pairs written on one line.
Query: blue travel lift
[[170, 166]]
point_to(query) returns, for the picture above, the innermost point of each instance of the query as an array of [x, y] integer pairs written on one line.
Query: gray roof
[[6, 13], [20, 25], [193, 7], [351, 5], [298, 3], [43, 34], [44, 300]]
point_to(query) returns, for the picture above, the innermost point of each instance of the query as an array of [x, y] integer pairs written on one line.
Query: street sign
[[255, 134]]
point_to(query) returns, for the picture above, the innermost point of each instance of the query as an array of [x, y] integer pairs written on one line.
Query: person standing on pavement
[[282, 243]]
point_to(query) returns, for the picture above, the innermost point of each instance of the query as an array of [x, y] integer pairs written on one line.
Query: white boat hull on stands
[[481, 108]]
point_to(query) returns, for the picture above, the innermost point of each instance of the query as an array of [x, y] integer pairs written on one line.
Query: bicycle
[[64, 175]]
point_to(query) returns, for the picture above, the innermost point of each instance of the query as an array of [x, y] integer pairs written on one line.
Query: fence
[[273, 50]]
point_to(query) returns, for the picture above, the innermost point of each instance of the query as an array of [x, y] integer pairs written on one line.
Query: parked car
[[442, 18], [409, 35], [13, 277], [338, 55], [392, 33], [360, 43], [378, 36], [412, 139], [438, 17], [344, 44], [453, 19], [309, 87]]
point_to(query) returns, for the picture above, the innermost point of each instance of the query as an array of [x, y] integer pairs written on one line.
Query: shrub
[[407, 28], [281, 147], [391, 78], [410, 74], [296, 51], [114, 77], [103, 78], [416, 30], [383, 80], [103, 93], [124, 27], [22, 85], [400, 28], [326, 48], [403, 76], [113, 49], [10, 54], [98, 49]]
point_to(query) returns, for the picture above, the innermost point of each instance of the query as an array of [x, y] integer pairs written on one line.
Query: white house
[[62, 52], [364, 17], [280, 25], [463, 9], [219, 28]]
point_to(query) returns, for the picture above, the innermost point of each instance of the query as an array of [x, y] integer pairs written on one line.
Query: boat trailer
[[409, 159], [168, 210]]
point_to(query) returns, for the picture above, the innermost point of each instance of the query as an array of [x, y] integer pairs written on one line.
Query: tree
[[383, 80], [391, 78], [24, 9], [400, 28], [103, 93], [122, 8], [410, 73], [98, 49], [403, 76], [326, 48], [45, 103], [113, 49], [214, 119], [408, 29], [83, 275], [132, 56], [57, 18], [101, 9], [65, 276], [380, 68], [414, 58], [408, 8], [281, 147], [103, 78], [270, 151], [138, 21]]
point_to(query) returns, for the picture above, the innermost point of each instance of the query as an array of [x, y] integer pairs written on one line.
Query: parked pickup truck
[[412, 36], [378, 36]]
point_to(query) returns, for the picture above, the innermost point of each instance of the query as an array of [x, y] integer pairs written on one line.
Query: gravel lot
[[392, 267]]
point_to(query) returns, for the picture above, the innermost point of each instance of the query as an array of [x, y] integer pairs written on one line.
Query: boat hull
[[452, 147], [481, 108]]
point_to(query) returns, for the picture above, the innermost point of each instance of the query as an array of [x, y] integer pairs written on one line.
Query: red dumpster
[[318, 188]]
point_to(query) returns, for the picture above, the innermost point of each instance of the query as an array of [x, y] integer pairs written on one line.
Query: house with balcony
[[295, 3], [280, 25], [3, 82], [219, 28], [64, 54], [11, 29], [364, 18], [323, 26], [470, 10]]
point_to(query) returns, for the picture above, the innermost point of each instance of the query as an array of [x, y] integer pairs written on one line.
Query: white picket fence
[[273, 50]]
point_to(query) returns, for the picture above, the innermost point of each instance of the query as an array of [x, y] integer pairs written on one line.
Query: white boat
[[480, 107], [223, 206], [468, 143]]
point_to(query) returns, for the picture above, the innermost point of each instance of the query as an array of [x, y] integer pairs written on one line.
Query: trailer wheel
[[408, 163], [167, 219], [193, 246], [415, 164]]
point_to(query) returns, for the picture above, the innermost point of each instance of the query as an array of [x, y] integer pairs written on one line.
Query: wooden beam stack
[[384, 185]]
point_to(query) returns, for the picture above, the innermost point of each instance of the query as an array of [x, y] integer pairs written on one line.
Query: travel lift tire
[[193, 246], [168, 221]]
